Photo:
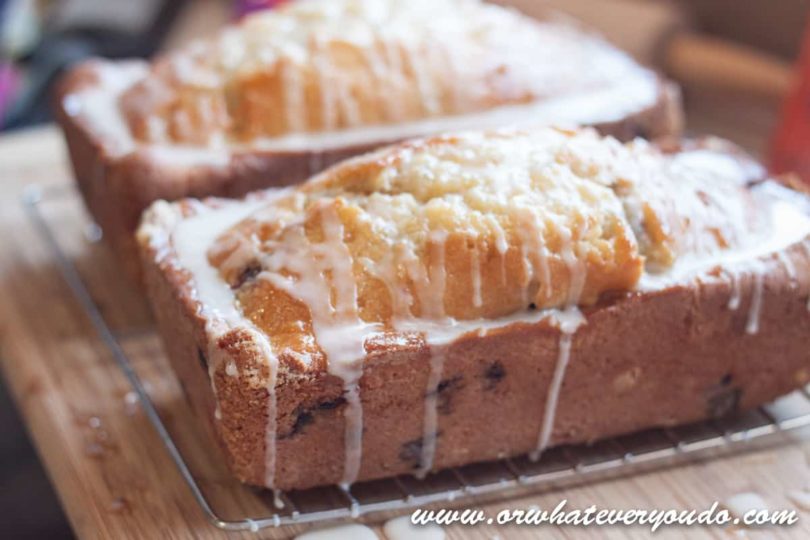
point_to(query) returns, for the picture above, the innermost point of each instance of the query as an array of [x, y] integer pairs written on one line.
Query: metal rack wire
[[563, 466]]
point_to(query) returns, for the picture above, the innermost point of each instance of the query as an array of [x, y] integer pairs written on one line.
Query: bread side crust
[[642, 360], [117, 189]]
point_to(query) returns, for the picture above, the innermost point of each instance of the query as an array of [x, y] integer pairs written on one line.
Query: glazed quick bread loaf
[[466, 297], [285, 93]]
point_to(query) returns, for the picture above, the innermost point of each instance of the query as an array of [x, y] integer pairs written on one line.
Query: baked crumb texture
[[480, 226], [326, 65], [464, 297], [285, 93]]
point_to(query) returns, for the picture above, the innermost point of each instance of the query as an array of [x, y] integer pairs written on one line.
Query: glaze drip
[[568, 323], [735, 297], [755, 309], [340, 330]]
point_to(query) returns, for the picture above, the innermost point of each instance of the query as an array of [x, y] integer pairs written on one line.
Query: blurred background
[[40, 38], [737, 62]]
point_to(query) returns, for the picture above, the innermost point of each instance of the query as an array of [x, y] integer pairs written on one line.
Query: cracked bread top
[[477, 227], [327, 65]]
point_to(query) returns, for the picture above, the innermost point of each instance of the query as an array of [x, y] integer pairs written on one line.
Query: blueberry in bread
[[285, 93], [467, 296]]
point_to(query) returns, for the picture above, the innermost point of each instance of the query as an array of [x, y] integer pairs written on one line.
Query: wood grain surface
[[112, 474]]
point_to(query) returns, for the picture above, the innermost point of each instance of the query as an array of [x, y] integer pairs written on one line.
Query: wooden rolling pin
[[660, 34]]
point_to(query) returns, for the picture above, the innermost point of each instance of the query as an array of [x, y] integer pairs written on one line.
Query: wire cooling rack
[[54, 211]]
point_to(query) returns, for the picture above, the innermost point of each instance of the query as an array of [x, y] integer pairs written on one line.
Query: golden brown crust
[[642, 360], [116, 189], [677, 353], [119, 180], [327, 65], [479, 226]]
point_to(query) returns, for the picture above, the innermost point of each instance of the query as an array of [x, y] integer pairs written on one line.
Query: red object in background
[[790, 151], [243, 7]]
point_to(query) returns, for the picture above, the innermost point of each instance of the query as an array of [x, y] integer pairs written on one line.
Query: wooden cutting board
[[112, 473]]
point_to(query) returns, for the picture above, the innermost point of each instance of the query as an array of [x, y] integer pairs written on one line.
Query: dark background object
[[71, 34], [774, 26]]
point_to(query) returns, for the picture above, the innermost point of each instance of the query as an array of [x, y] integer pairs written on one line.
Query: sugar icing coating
[[327, 65], [505, 214], [352, 530], [455, 234], [401, 528], [474, 226]]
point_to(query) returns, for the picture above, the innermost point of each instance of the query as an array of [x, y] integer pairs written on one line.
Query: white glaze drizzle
[[787, 225], [345, 285], [787, 263], [528, 272], [740, 504], [453, 74], [341, 532], [755, 308], [433, 305], [278, 502], [386, 271], [379, 72], [394, 60], [568, 322], [736, 290], [231, 370], [438, 285], [339, 330], [99, 107], [189, 238], [401, 528], [424, 84], [533, 255], [553, 396], [430, 422], [270, 429], [542, 256], [475, 273], [326, 86], [294, 105], [501, 244], [347, 104]]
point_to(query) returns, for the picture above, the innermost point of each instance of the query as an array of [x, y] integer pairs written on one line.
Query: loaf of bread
[[286, 92], [465, 297]]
